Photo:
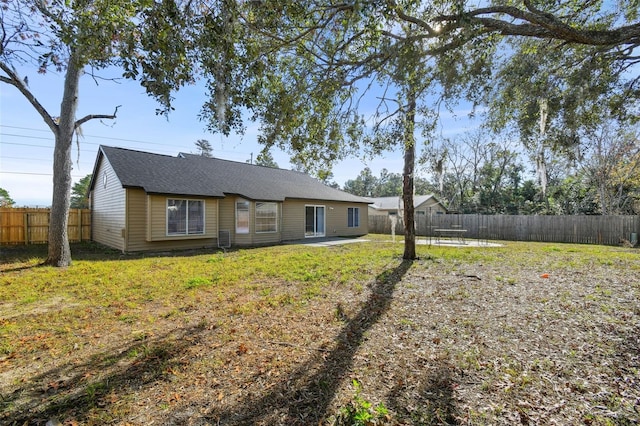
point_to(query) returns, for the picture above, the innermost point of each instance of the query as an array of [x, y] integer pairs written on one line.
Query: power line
[[34, 174], [24, 173], [26, 137], [106, 138], [84, 136], [24, 128], [28, 159], [38, 146]]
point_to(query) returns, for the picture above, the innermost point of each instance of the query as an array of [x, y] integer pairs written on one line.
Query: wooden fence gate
[[31, 226]]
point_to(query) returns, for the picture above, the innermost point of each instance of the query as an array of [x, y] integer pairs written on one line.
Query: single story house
[[145, 201], [390, 206]]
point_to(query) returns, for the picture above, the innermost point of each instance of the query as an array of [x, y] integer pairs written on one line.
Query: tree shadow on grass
[[303, 398], [433, 403], [621, 397], [26, 253], [75, 390], [86, 251]]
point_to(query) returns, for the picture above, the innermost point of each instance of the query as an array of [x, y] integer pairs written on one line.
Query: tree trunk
[[407, 179], [59, 251]]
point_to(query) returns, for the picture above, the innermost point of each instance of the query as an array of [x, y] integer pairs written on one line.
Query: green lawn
[[294, 334]]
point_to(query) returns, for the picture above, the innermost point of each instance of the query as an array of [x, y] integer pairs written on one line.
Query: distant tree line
[[482, 172], [387, 185]]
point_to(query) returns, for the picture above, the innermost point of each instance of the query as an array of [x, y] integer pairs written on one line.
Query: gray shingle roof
[[392, 203], [194, 175]]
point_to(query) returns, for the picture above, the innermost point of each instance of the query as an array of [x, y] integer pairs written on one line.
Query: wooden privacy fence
[[31, 226], [606, 230]]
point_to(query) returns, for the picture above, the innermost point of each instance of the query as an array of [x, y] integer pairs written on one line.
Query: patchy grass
[[525, 333]]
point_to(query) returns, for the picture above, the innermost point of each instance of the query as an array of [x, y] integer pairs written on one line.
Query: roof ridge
[[400, 196], [244, 163], [136, 150]]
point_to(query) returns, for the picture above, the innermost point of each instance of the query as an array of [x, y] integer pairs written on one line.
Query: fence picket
[[606, 230], [31, 226]]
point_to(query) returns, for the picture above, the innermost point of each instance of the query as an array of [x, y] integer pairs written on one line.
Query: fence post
[[79, 213], [26, 228]]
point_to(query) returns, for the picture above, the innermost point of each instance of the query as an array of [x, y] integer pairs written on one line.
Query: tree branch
[[14, 79], [413, 20], [96, 116], [540, 24]]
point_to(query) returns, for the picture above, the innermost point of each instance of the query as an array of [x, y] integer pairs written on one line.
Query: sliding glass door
[[314, 221]]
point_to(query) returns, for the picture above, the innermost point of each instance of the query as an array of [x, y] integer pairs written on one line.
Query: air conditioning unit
[[224, 239]]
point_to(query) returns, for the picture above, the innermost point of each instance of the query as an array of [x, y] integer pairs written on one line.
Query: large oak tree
[[305, 69], [74, 38]]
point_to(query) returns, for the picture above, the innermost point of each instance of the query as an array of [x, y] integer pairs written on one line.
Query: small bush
[[361, 412], [198, 282]]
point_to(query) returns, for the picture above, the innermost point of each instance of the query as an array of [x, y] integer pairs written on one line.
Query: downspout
[[218, 223], [281, 219], [125, 231], [91, 215]]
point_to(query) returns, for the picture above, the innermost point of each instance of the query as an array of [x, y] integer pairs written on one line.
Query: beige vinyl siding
[[376, 212], [147, 224], [293, 215], [136, 220], [335, 219], [227, 216], [108, 208], [431, 204]]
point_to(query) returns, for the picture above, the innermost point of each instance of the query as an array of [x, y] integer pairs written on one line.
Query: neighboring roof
[[392, 203], [195, 175]]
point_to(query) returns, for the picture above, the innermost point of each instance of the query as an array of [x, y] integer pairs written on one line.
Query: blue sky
[[26, 143]]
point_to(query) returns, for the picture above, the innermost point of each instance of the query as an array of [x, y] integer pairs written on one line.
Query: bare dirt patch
[[507, 337]]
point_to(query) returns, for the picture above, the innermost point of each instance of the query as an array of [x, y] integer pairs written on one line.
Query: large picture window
[[185, 217], [353, 217], [242, 217], [266, 217]]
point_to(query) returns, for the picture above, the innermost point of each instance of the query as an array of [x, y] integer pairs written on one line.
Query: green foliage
[[158, 52], [5, 199], [198, 282], [482, 172], [364, 185], [387, 185], [578, 97], [148, 39], [204, 148], [302, 72], [80, 193], [266, 159], [360, 412], [556, 99]]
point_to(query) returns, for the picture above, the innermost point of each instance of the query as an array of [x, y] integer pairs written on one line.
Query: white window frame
[[242, 229], [187, 231], [275, 218], [353, 216]]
